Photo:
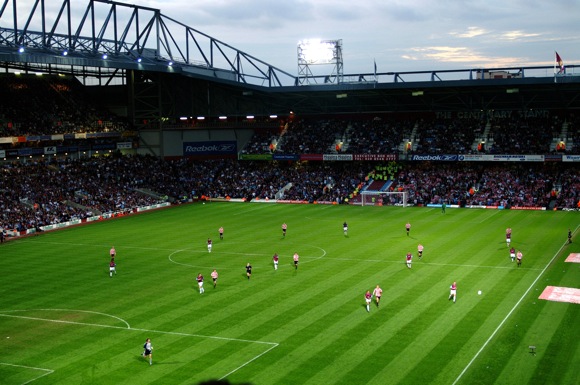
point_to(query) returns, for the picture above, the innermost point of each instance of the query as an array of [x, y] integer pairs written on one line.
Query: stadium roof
[[129, 37]]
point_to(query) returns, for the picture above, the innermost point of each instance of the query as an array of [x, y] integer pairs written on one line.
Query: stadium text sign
[[210, 148], [441, 158], [376, 157]]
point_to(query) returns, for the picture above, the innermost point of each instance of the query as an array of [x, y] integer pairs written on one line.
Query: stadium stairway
[[280, 193], [81, 207], [153, 194]]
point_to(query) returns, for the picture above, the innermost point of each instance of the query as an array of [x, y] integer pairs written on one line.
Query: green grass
[[68, 322]]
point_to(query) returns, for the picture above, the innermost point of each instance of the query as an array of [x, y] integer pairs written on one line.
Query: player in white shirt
[[377, 293]]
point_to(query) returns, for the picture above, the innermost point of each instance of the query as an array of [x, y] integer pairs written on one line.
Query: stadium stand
[[95, 185]]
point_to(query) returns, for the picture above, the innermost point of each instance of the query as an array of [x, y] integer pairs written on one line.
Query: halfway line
[[427, 263]]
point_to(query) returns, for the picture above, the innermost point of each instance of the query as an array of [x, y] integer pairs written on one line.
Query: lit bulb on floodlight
[[21, 49], [139, 60], [64, 53], [105, 56]]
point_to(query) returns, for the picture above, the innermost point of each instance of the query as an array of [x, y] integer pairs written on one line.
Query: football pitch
[[64, 320]]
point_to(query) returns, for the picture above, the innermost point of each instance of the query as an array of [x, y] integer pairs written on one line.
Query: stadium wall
[[170, 143]]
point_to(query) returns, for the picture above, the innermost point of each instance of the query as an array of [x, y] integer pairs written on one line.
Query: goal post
[[382, 198]]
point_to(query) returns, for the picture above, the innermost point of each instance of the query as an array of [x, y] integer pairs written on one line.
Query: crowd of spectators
[[524, 135], [390, 135], [521, 185], [36, 194], [317, 136], [452, 136], [43, 192], [48, 105], [378, 136]]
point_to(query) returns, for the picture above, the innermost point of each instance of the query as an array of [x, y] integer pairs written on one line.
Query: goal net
[[379, 198]]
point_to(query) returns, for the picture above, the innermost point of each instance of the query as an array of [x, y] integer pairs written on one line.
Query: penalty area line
[[249, 361], [49, 371], [46, 371], [507, 316]]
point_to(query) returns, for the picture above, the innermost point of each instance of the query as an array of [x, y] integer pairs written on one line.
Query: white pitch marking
[[126, 328], [72, 311], [427, 263], [307, 258], [248, 362], [48, 371]]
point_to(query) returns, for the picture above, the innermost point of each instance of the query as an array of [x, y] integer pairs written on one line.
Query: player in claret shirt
[[345, 228], [275, 259], [409, 259], [112, 267], [199, 280], [209, 245], [368, 298], [453, 292], [508, 236], [513, 254]]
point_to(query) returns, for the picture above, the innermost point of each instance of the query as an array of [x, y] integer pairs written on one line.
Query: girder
[[139, 37]]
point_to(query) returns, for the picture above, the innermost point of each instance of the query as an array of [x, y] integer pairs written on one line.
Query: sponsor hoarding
[[210, 148], [571, 158], [439, 158], [376, 157]]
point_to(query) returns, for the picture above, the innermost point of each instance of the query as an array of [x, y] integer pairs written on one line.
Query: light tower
[[320, 53]]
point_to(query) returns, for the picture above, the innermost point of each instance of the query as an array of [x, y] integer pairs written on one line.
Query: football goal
[[380, 198]]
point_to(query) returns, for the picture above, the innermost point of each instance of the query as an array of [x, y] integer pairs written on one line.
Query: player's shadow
[[143, 360]]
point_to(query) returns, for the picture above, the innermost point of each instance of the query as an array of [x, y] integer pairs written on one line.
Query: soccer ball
[[203, 202], [479, 292]]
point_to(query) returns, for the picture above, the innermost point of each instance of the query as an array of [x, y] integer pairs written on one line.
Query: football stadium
[[178, 211]]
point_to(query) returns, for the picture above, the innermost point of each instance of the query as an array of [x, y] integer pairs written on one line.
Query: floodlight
[[223, 117], [201, 118], [138, 60], [64, 53], [21, 49], [105, 56], [317, 51], [170, 63]]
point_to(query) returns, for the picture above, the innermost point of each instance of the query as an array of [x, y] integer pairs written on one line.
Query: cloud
[[517, 35], [471, 32]]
